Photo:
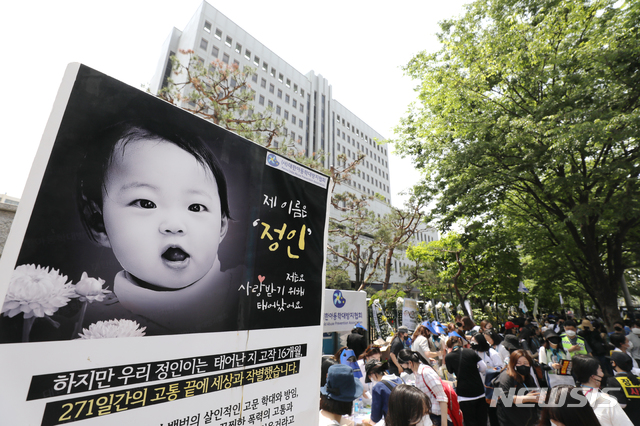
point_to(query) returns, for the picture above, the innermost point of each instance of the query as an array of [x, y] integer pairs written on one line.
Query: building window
[[247, 54], [288, 83], [236, 63], [207, 26], [256, 60], [204, 44], [295, 88], [228, 41], [225, 58], [286, 114], [271, 88], [215, 51], [286, 98], [261, 100], [302, 93], [263, 83], [265, 66], [294, 103], [299, 139], [280, 77], [300, 124], [301, 107], [238, 48], [254, 78], [218, 34], [270, 104], [293, 135], [293, 119], [278, 109], [273, 72], [279, 93]]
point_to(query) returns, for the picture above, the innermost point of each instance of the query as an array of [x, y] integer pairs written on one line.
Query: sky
[[359, 46]]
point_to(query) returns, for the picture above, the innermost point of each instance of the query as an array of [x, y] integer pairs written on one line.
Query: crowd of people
[[556, 371]]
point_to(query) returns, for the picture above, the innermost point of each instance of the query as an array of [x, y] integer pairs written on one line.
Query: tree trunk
[[387, 270]]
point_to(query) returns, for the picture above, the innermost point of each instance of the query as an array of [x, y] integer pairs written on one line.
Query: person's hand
[[555, 366], [531, 397], [574, 348]]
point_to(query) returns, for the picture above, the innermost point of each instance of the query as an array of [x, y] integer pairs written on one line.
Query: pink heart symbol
[[261, 278]]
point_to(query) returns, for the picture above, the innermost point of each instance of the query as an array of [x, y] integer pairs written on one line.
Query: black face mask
[[408, 371], [475, 346], [617, 328], [523, 369]]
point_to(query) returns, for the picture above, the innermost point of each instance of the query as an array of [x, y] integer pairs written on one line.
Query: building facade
[[315, 121]]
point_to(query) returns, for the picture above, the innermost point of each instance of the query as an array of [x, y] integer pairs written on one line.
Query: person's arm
[[482, 367], [393, 359], [443, 412]]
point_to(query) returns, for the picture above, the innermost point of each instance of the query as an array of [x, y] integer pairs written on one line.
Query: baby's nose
[[172, 225]]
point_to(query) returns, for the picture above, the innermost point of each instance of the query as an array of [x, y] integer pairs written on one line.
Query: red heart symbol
[[261, 278]]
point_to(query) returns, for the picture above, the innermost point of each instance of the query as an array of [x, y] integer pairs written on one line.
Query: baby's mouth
[[175, 254]]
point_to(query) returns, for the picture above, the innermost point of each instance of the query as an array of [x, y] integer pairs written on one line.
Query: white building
[[315, 121]]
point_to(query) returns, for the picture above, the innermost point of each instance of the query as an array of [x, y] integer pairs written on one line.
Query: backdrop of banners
[[156, 258]]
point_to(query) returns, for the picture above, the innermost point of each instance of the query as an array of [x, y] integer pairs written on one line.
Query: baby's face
[[162, 213]]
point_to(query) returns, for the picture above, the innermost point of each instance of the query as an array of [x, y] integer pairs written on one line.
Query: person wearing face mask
[[408, 406], [521, 409], [564, 406], [428, 381], [468, 367], [624, 386], [422, 343], [634, 338], [588, 373], [551, 356], [383, 384], [573, 343], [397, 344], [619, 327], [622, 344]]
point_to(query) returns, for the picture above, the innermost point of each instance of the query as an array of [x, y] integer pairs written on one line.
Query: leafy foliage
[[529, 114]]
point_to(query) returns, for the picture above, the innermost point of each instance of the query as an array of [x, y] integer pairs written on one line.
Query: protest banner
[[160, 270], [410, 313]]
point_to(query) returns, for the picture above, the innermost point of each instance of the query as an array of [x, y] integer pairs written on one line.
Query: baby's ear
[[224, 227], [95, 223]]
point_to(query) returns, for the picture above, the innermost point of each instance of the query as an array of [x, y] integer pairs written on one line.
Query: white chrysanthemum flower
[[90, 289], [36, 291], [112, 328]]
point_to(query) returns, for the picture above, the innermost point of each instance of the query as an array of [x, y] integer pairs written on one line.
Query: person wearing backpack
[[383, 384], [445, 410]]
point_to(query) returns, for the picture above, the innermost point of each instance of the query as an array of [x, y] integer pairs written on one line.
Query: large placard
[[160, 270]]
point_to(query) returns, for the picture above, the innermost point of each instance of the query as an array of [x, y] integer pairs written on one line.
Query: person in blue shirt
[[384, 384]]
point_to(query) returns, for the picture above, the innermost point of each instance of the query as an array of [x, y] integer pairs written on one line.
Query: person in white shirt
[[634, 338], [552, 354], [588, 373], [622, 343]]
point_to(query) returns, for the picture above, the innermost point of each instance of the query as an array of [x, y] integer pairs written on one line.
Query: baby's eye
[[197, 208], [144, 204]]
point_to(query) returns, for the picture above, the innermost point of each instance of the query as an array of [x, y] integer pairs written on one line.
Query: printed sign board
[[160, 270], [343, 309], [410, 314]]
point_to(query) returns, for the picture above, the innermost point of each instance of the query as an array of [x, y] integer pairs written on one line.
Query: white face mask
[[570, 333], [554, 423], [635, 331]]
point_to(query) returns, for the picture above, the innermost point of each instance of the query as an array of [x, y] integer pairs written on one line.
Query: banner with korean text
[[343, 309], [160, 270]]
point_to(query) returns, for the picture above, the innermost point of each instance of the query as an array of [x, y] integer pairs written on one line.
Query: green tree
[[530, 112], [479, 262]]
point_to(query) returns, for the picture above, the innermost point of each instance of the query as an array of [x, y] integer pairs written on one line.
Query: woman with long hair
[[495, 341], [428, 381], [551, 356], [565, 406], [469, 369], [519, 408], [422, 344], [408, 406]]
